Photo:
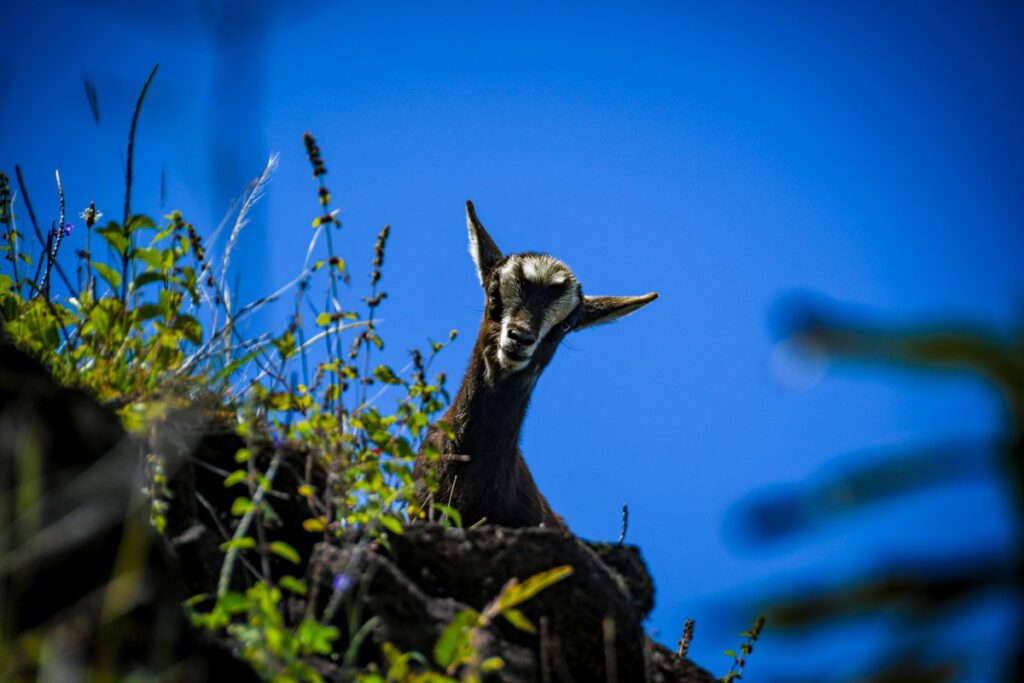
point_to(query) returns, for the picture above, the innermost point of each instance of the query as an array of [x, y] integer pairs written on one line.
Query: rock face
[[62, 564], [590, 623], [80, 569]]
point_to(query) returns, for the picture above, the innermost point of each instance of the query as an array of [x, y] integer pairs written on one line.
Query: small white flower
[[88, 215]]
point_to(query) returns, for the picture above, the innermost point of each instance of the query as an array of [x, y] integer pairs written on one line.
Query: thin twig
[[545, 651], [611, 669]]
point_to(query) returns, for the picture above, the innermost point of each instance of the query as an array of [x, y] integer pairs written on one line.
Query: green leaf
[[242, 455], [163, 234], [115, 237], [386, 375], [492, 664], [520, 593], [195, 600], [285, 345], [454, 637], [316, 638], [150, 256], [230, 368], [109, 274], [323, 320], [138, 222], [190, 328], [148, 311], [392, 525], [243, 543], [146, 278], [447, 429], [282, 549], [236, 477], [518, 619], [454, 514], [233, 603], [240, 506], [292, 584]]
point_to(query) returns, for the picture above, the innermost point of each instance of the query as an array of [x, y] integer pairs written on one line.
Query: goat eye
[[566, 326]]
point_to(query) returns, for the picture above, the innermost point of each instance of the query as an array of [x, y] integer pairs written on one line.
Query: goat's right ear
[[482, 248], [598, 310]]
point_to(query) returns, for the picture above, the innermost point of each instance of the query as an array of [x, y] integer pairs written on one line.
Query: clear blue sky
[[722, 155]]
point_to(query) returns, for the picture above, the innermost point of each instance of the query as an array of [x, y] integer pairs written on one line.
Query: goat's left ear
[[482, 248], [597, 310]]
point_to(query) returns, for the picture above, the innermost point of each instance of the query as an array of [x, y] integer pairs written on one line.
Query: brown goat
[[533, 301]]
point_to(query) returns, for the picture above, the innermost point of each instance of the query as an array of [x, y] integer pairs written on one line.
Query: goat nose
[[520, 336]]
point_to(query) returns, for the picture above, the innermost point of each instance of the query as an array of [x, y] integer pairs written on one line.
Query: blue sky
[[724, 155]]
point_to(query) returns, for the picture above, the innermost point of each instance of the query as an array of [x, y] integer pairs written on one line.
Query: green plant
[[153, 327], [735, 672]]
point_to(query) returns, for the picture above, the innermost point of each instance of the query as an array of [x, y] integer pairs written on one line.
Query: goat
[[532, 302]]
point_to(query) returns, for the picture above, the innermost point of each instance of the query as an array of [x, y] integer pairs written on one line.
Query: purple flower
[[341, 583], [67, 229], [276, 436]]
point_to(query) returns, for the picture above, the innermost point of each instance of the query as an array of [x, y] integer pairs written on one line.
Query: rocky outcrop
[[590, 623], [81, 568]]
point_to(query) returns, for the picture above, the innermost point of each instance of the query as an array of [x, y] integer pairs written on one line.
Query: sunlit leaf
[[454, 636], [112, 277], [282, 549]]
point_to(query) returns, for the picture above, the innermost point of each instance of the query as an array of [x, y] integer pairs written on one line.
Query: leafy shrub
[[153, 325]]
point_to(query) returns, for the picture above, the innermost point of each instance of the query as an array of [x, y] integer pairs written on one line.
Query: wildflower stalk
[[686, 639], [326, 219], [58, 236], [43, 241], [90, 216], [125, 259], [7, 231], [372, 302]]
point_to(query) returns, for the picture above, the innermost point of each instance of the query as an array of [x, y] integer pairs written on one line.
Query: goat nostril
[[521, 336]]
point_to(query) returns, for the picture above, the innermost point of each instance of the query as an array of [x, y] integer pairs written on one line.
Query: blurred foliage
[[926, 590]]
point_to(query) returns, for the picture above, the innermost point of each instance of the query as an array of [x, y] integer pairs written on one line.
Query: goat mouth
[[515, 355]]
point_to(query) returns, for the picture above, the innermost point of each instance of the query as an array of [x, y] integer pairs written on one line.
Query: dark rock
[[80, 568], [590, 622], [625, 560], [667, 667]]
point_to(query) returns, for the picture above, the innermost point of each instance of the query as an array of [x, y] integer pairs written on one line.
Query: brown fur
[[481, 471]]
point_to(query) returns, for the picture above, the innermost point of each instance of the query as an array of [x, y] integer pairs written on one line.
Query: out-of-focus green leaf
[[112, 277], [282, 549]]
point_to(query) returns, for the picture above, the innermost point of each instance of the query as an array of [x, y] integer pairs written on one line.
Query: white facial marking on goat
[[541, 269]]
